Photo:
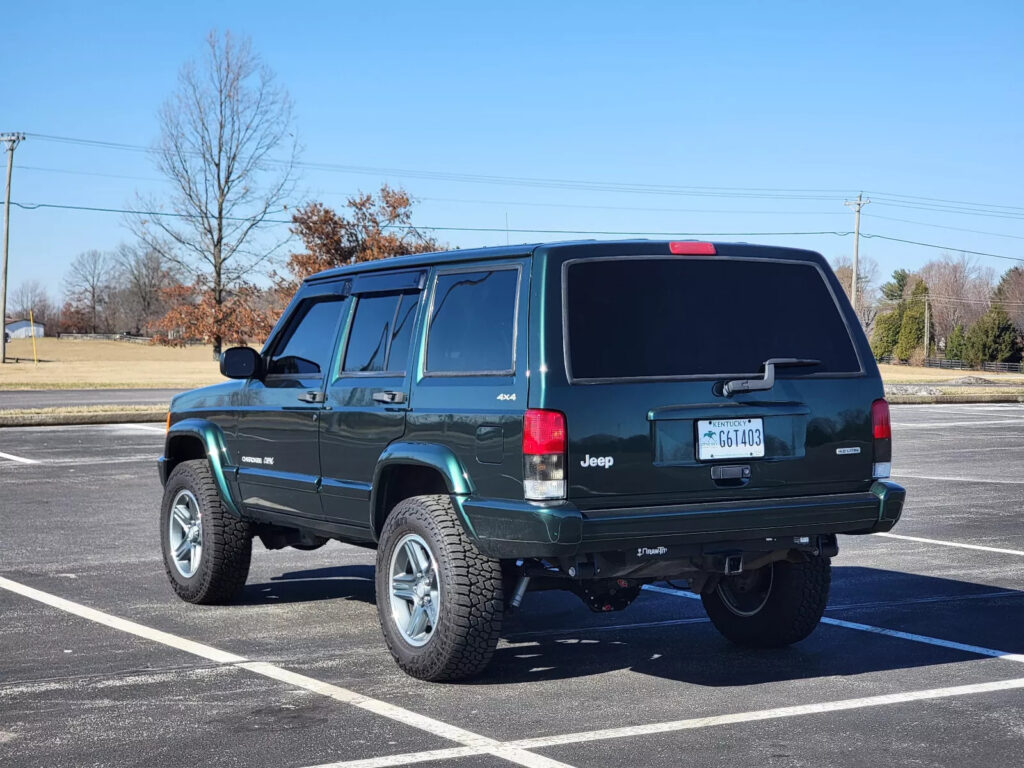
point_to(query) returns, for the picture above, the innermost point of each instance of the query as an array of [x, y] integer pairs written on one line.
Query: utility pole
[[12, 139], [927, 325], [857, 204]]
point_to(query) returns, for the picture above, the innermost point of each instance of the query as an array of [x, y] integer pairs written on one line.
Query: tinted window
[[473, 321], [308, 343], [371, 328], [685, 317], [401, 334]]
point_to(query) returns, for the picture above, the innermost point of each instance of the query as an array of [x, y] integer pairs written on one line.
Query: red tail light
[[543, 432], [882, 432], [880, 420], [692, 248], [543, 455]]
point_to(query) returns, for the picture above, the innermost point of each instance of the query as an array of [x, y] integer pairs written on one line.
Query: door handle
[[312, 396], [389, 396]]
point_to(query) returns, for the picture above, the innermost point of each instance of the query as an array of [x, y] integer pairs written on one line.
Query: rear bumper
[[509, 529]]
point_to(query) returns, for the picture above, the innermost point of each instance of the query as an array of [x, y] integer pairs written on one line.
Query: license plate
[[730, 439]]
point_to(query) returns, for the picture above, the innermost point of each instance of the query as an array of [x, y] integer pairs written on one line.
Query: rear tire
[[427, 564], [224, 541], [771, 607]]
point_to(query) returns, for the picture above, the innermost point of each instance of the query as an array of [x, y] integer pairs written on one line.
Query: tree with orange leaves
[[373, 227], [243, 315]]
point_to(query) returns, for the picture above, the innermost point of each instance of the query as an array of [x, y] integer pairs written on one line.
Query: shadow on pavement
[[347, 582], [555, 637]]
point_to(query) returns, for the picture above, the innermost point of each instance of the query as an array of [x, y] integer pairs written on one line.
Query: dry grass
[[66, 364], [86, 414], [909, 374]]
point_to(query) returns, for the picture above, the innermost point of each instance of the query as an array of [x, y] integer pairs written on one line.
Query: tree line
[[955, 307]]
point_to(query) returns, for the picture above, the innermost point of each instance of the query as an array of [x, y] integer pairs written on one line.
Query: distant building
[[22, 329]]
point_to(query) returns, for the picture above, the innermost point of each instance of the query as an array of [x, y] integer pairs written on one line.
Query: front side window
[[472, 323], [306, 346], [381, 333]]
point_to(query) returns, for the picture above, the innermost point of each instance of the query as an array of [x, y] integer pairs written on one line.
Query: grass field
[[67, 364], [907, 374]]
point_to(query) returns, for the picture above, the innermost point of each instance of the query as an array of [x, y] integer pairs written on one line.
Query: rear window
[[669, 317]]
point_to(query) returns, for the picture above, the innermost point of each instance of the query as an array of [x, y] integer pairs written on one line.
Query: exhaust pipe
[[520, 590]]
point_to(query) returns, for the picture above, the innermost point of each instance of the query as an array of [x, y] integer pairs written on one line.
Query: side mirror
[[241, 363]]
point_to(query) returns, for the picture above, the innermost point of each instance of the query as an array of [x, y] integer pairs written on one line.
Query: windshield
[[672, 317]]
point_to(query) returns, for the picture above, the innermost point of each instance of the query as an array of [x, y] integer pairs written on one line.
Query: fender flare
[[437, 457], [211, 437]]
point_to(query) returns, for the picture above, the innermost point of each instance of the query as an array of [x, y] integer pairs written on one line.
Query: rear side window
[[307, 345], [381, 330], [646, 318], [472, 322]]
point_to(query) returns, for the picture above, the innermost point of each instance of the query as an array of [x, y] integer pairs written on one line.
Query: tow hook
[[733, 565]]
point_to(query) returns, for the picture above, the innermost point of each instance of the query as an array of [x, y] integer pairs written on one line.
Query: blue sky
[[895, 98]]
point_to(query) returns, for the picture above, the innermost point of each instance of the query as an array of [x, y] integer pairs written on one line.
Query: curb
[[953, 399], [43, 419]]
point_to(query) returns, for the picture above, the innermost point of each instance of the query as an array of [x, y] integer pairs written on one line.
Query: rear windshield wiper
[[750, 385]]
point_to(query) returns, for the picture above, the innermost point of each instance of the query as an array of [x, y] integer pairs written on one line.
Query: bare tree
[[227, 147], [87, 288], [32, 296], [143, 277], [867, 284], [1010, 294], [960, 291]]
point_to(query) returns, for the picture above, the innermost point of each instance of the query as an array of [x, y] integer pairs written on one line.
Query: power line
[[893, 199], [942, 247], [942, 226], [553, 183], [88, 173], [952, 202], [129, 211], [948, 209], [952, 300]]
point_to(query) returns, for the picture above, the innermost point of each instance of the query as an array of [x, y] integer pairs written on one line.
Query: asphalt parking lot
[[920, 660]]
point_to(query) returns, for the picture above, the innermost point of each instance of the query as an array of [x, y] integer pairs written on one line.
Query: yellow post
[[32, 331]]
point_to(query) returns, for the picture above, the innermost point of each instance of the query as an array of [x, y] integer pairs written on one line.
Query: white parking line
[[976, 649], [18, 459], [145, 427], [771, 714], [475, 742], [951, 479], [943, 424], [696, 722], [997, 550], [140, 630], [523, 637]]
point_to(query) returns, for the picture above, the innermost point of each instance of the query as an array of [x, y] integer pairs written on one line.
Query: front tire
[[206, 549], [777, 605], [439, 599]]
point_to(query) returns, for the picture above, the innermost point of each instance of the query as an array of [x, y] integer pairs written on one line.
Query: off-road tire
[[795, 604], [472, 597], [227, 540]]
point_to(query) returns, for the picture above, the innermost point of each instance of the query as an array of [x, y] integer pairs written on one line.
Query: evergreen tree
[[956, 344], [912, 328], [887, 332], [992, 339]]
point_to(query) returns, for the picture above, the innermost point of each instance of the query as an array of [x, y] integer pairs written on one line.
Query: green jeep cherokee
[[588, 416]]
